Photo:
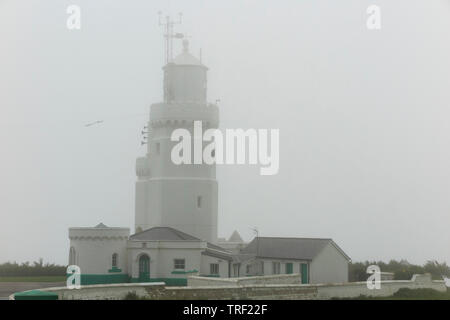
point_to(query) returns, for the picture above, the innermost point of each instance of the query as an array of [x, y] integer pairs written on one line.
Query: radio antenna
[[169, 35]]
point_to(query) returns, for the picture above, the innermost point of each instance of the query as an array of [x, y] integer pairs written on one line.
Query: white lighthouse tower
[[183, 196]]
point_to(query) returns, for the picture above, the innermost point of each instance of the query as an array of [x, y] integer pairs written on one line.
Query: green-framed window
[[289, 268]]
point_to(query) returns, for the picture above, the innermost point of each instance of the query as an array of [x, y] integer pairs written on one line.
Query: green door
[[144, 268], [289, 268], [304, 270]]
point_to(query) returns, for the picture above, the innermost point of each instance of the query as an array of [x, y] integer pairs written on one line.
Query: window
[[199, 202], [179, 264], [114, 260], [158, 148], [275, 268], [214, 268], [289, 268], [247, 269]]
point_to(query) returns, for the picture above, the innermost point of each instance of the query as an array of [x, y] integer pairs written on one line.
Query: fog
[[363, 118]]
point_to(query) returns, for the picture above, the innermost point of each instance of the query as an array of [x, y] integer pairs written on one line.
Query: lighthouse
[[180, 196], [176, 207]]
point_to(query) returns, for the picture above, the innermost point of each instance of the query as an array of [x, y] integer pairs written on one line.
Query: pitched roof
[[218, 252], [171, 234], [235, 237], [288, 248], [101, 225], [162, 233], [185, 58], [215, 247]]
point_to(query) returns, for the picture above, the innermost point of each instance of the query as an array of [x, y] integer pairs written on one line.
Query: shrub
[[132, 296], [403, 270], [38, 268]]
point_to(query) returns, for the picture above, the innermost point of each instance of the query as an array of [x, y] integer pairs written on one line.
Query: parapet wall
[[158, 290], [387, 288], [196, 281], [106, 291]]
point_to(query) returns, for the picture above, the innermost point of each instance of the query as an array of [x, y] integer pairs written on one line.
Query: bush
[[38, 268], [132, 296], [403, 270], [426, 294]]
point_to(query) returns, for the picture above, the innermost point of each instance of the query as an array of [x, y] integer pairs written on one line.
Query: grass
[[34, 279], [413, 294]]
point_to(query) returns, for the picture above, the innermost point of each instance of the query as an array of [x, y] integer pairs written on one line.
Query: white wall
[[252, 291], [268, 266], [196, 281], [94, 248], [166, 193], [207, 260], [388, 288], [329, 266], [162, 255]]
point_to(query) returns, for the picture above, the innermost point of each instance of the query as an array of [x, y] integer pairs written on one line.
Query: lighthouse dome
[[185, 79], [185, 58]]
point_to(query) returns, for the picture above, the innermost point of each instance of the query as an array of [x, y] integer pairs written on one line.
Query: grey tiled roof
[[162, 233], [215, 247], [235, 237], [101, 225], [171, 234], [288, 248]]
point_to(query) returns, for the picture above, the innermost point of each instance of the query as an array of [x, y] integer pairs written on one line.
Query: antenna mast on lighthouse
[[169, 35]]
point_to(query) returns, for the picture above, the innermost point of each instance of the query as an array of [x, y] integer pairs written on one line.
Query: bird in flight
[[93, 123]]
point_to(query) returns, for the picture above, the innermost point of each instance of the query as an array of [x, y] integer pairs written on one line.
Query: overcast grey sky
[[363, 118]]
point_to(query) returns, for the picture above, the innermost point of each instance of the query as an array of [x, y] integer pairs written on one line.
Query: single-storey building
[[110, 255], [316, 260]]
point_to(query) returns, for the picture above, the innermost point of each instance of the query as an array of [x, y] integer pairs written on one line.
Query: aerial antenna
[[144, 134], [169, 34], [256, 231]]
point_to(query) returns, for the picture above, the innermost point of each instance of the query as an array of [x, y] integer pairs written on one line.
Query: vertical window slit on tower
[[199, 202]]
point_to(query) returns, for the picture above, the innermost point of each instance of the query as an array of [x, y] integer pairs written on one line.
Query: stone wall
[[196, 281], [388, 288], [106, 291], [253, 292], [158, 291]]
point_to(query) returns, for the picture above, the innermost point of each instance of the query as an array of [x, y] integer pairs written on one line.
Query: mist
[[362, 115]]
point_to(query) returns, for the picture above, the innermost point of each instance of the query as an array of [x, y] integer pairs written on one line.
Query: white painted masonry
[[162, 255], [95, 246], [329, 266], [168, 194]]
